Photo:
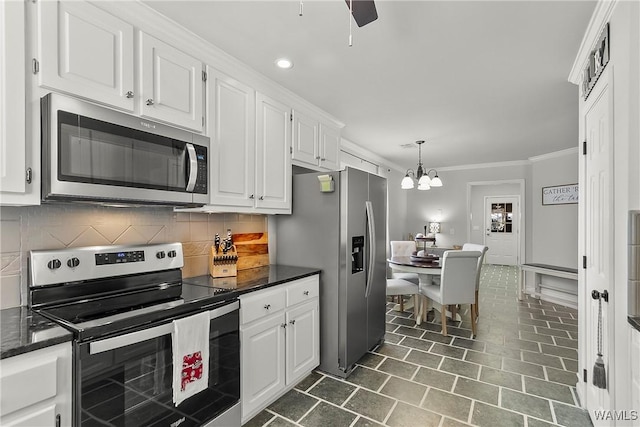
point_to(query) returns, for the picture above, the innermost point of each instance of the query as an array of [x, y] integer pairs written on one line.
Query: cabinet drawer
[[25, 381], [259, 304], [303, 290]]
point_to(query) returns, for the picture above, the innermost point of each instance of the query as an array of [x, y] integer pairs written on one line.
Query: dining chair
[[401, 287], [404, 248], [479, 248], [457, 284]]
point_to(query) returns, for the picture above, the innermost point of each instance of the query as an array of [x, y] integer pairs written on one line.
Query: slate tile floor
[[520, 370]]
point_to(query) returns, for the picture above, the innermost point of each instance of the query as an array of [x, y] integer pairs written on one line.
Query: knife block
[[223, 265]]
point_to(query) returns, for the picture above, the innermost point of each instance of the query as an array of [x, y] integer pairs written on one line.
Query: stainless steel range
[[120, 302]]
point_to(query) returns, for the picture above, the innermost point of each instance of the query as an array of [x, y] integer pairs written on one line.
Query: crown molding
[[601, 15], [568, 152], [370, 156], [485, 165]]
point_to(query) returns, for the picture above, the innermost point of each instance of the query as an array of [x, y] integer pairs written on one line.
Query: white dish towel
[[190, 345]]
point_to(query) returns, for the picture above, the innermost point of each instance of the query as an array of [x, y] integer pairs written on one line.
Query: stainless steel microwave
[[94, 154]]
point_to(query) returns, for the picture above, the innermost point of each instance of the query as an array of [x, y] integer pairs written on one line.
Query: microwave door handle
[[193, 168]]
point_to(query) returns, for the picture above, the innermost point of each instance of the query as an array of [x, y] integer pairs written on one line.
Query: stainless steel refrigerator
[[339, 226]]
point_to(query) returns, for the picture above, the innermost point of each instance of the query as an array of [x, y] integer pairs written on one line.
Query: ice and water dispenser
[[357, 254]]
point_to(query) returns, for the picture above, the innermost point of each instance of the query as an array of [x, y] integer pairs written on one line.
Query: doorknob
[[597, 295]]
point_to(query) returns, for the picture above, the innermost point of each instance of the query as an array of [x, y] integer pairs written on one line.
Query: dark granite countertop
[[22, 330], [635, 322], [254, 279]]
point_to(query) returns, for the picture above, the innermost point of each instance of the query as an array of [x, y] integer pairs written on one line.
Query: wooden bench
[[540, 270]]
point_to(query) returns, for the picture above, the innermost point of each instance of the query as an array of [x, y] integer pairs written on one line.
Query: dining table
[[425, 268]]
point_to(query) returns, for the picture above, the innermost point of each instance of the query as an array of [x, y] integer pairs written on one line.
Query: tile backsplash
[[57, 226]]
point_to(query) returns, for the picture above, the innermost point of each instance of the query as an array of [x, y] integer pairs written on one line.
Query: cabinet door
[[303, 341], [273, 158], [262, 362], [231, 108], [12, 97], [305, 139], [87, 52], [171, 84], [329, 147]]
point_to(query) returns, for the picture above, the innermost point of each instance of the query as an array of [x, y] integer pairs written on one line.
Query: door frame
[[521, 219]]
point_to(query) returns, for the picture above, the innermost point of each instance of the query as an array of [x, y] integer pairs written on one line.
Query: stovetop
[[100, 291]]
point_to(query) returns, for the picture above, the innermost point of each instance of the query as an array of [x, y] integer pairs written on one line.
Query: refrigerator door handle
[[371, 225]]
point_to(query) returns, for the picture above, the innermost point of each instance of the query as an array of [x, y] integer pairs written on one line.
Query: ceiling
[[480, 81]]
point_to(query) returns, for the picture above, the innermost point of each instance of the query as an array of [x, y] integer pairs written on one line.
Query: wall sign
[[598, 59], [560, 194]]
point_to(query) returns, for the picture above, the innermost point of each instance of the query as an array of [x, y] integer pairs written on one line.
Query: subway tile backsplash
[[55, 226]]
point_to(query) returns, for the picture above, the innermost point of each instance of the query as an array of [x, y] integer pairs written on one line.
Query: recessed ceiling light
[[284, 63]]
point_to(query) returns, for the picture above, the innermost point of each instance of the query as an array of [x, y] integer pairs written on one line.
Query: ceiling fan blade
[[364, 11]]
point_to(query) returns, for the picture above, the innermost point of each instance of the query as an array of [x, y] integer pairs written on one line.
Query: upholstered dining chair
[[479, 248], [404, 248], [401, 287], [457, 284]]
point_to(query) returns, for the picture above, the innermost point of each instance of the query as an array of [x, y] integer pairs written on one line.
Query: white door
[[87, 52], [303, 340], [502, 222], [329, 147], [273, 157], [171, 84], [598, 207], [263, 374], [231, 107], [12, 100]]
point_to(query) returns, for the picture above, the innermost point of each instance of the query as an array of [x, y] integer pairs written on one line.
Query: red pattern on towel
[[191, 368]]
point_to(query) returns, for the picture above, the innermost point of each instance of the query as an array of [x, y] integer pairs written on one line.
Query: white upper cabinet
[[87, 52], [305, 138], [13, 147], [273, 157], [329, 147], [315, 144], [231, 109], [171, 84]]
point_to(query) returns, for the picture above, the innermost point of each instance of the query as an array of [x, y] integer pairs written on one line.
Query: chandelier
[[425, 182]]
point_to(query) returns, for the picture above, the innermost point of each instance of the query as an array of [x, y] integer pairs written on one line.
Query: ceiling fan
[[363, 11]]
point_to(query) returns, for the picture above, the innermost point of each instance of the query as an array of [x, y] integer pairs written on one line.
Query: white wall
[[555, 240], [449, 202]]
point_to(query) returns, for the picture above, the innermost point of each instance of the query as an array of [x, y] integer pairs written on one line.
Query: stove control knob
[[54, 264], [160, 254], [171, 254], [73, 262]]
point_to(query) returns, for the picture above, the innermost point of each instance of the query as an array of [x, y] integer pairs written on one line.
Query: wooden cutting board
[[253, 250]]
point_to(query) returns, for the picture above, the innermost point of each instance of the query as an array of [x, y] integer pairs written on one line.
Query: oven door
[[91, 153], [126, 380]]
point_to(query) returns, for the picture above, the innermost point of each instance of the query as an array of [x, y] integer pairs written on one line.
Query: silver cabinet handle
[[261, 198], [306, 292], [267, 306], [293, 322], [317, 157], [284, 325], [149, 101], [322, 159], [252, 196], [129, 94]]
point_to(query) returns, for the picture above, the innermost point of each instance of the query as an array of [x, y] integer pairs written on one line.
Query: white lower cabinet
[[35, 388], [280, 339]]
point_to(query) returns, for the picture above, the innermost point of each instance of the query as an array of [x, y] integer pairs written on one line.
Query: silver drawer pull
[[129, 94], [284, 325], [149, 101], [306, 292], [267, 306], [293, 322]]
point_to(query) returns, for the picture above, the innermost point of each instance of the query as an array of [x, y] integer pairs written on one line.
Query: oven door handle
[[120, 341]]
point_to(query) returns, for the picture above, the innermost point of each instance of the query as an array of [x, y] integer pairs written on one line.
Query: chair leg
[[454, 311], [416, 304], [474, 317], [477, 311], [443, 315], [401, 302]]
